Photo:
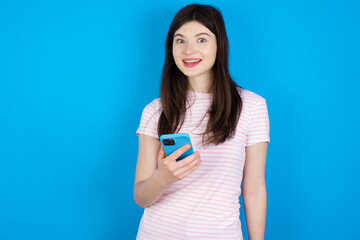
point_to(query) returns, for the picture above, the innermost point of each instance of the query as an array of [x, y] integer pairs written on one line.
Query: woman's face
[[194, 50]]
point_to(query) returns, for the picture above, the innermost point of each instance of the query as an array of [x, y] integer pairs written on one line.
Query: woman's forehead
[[192, 29]]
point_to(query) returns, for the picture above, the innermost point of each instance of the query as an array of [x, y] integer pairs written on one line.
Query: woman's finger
[[188, 171], [178, 152], [161, 155], [188, 160]]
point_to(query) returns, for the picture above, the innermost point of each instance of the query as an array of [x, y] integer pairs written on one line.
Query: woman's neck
[[201, 84]]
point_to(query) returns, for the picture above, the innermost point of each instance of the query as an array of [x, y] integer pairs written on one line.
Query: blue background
[[75, 76]]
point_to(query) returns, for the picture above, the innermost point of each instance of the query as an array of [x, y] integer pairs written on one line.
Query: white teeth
[[192, 61]]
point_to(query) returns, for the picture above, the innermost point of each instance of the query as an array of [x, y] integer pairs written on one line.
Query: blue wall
[[75, 76]]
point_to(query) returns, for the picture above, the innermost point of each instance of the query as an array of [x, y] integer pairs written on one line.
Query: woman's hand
[[169, 170]]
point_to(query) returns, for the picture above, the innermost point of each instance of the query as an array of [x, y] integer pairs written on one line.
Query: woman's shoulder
[[249, 96], [155, 103], [250, 100], [153, 106]]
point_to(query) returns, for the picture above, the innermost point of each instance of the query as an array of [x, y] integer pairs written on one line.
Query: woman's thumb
[[161, 155]]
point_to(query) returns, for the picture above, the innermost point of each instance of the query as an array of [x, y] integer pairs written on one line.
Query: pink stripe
[[202, 230], [201, 225], [166, 229]]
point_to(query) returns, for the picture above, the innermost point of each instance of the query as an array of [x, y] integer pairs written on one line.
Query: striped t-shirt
[[205, 204]]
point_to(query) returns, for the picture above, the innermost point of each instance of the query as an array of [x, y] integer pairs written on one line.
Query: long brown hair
[[226, 106]]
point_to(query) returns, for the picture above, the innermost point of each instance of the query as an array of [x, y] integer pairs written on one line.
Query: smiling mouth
[[191, 62]]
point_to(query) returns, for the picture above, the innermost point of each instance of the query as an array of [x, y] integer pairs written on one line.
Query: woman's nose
[[189, 48]]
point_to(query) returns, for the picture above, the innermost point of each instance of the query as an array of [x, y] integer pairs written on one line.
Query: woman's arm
[[254, 190], [154, 171], [147, 187]]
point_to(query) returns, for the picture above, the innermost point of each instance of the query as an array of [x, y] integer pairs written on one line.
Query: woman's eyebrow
[[178, 34], [202, 33]]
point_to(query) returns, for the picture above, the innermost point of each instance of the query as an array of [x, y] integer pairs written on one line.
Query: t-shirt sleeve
[[148, 121], [259, 127]]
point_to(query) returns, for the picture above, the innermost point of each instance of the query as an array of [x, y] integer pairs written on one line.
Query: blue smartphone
[[171, 142]]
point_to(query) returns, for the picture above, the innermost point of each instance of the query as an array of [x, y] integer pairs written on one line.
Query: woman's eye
[[179, 41], [202, 40]]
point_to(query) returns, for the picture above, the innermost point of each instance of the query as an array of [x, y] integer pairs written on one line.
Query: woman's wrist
[[160, 179]]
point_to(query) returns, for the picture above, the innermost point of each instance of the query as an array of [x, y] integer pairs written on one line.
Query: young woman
[[198, 197]]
